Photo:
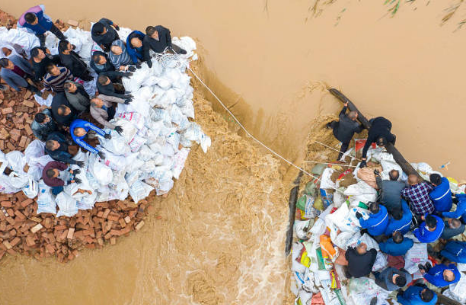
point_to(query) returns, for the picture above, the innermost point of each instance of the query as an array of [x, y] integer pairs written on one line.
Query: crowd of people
[[66, 126], [417, 206]]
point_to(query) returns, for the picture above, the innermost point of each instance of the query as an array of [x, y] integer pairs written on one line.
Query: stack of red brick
[[44, 235]]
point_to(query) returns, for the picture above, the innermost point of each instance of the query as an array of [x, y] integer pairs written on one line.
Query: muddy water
[[218, 237]]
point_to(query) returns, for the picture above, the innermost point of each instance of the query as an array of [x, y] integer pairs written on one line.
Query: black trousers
[[344, 146], [55, 31]]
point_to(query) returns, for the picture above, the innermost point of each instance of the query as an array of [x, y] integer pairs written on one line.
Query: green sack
[[311, 189], [301, 204], [320, 259], [363, 205], [318, 169]]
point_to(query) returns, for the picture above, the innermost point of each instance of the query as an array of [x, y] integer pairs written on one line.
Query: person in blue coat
[[15, 70], [455, 251], [440, 275], [460, 211], [441, 194], [79, 129], [134, 46], [430, 230], [418, 294], [35, 21], [377, 222], [400, 220], [397, 245]]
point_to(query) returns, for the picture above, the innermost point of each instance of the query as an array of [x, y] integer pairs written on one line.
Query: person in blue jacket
[[397, 245], [400, 220], [377, 222], [441, 194], [418, 294], [460, 209], [455, 251], [79, 129], [440, 275], [134, 46], [35, 21], [430, 230]]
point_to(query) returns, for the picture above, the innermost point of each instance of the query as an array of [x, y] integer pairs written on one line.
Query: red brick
[[70, 233], [139, 225], [22, 141], [107, 211], [20, 215], [15, 241], [127, 219], [6, 204], [26, 202], [7, 244], [50, 248], [7, 110], [28, 130]]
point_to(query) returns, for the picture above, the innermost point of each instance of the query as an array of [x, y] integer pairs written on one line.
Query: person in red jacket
[[58, 174]]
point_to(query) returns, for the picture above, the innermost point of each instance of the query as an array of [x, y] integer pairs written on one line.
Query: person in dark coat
[[430, 230], [452, 228], [57, 175], [15, 71], [417, 294], [397, 245], [107, 85], [134, 46], [35, 21], [57, 147], [77, 96], [41, 58], [400, 220], [390, 190], [103, 33], [43, 125], [440, 275], [345, 128], [62, 111], [158, 39], [392, 279], [378, 133], [73, 61], [360, 261], [100, 63]]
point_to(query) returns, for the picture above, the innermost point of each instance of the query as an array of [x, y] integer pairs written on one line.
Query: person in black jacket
[[360, 261], [100, 63], [107, 85], [57, 147], [41, 57], [158, 39], [63, 113], [103, 33], [73, 61], [345, 128], [378, 133]]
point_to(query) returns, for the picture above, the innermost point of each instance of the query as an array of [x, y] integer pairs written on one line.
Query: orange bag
[[328, 251]]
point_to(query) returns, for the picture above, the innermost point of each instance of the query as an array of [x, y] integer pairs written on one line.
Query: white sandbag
[[67, 205], [129, 130], [301, 229], [178, 162], [325, 181], [415, 256], [18, 180], [102, 173], [116, 145], [194, 133], [457, 291], [31, 189], [139, 190], [363, 289], [16, 161], [134, 118], [45, 202], [380, 263], [361, 192]]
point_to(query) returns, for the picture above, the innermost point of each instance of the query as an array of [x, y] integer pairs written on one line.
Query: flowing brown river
[[219, 236]]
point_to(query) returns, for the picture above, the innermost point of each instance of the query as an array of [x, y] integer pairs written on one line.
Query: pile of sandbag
[[158, 131], [327, 225]]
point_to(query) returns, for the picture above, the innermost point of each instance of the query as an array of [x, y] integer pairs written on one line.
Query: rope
[[164, 61], [342, 164], [332, 148]]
